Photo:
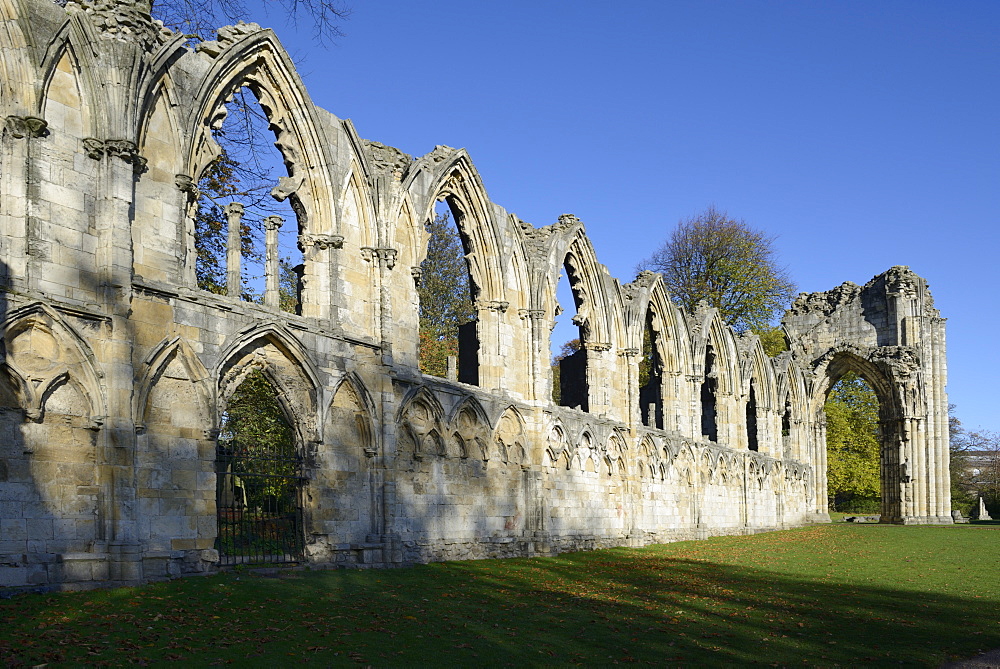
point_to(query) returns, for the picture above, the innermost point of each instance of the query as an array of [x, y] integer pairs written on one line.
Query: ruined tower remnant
[[120, 377]]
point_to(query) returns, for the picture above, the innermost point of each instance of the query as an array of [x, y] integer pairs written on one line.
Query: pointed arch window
[[751, 417], [651, 376], [449, 338], [247, 228], [709, 388], [571, 363]]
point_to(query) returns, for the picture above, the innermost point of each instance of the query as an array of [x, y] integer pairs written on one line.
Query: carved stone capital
[[120, 148], [94, 148], [322, 242], [186, 184], [20, 127], [233, 209], [416, 273], [597, 347], [533, 314], [385, 256], [498, 306], [629, 352], [273, 222]]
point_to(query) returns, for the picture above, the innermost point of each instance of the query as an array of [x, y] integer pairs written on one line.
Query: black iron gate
[[259, 501]]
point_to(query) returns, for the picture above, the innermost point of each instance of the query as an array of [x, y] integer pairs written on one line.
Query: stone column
[[939, 406], [597, 377], [382, 260], [632, 410], [820, 500], [271, 265], [16, 150], [118, 166], [188, 194], [319, 279], [234, 247], [540, 384], [493, 371]]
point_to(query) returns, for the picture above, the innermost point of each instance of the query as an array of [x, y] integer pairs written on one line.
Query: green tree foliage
[[852, 445], [647, 361], [727, 263], [256, 440], [288, 287], [219, 185], [445, 298], [773, 340]]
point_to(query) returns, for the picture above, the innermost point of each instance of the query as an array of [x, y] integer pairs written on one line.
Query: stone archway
[[891, 476]]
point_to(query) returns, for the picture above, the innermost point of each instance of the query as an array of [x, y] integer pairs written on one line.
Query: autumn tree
[[853, 446], [728, 264], [445, 298]]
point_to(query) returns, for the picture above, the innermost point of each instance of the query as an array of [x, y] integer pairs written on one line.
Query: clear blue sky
[[862, 134]]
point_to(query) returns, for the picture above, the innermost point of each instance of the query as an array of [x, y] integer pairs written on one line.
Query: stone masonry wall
[[116, 368]]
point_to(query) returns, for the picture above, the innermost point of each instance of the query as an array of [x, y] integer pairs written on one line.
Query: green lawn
[[830, 594]]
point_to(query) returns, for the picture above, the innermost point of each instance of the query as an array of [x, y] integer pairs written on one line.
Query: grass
[[839, 594]]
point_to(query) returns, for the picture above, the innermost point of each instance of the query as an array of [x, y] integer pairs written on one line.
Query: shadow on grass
[[595, 608]]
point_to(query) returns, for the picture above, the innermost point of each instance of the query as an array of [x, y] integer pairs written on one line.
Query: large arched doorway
[[259, 481], [853, 446], [864, 473]]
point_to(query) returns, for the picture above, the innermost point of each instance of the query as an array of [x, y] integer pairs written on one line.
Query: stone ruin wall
[[116, 367]]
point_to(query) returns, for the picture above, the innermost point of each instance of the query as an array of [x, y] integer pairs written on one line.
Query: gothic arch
[[277, 335], [17, 74], [68, 57], [41, 353], [656, 317], [471, 404], [469, 427], [421, 420], [154, 366], [793, 408], [509, 438], [424, 395], [839, 360], [895, 470], [716, 372], [589, 283], [354, 196], [272, 351], [162, 245], [353, 414], [449, 174], [758, 394], [254, 58]]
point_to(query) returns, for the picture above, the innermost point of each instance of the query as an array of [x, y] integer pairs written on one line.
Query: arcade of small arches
[[122, 461]]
